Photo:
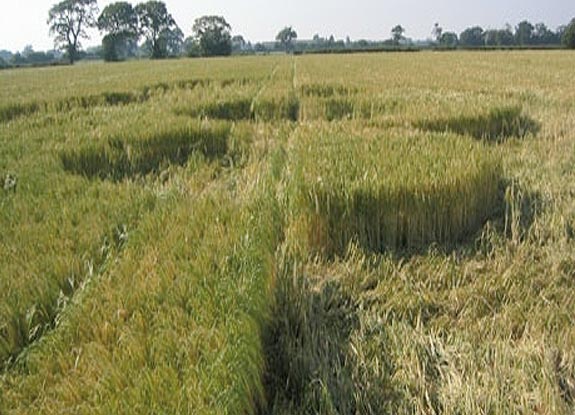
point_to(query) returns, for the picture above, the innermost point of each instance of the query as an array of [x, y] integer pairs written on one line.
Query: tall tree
[[524, 33], [120, 22], [192, 47], [286, 36], [472, 36], [213, 34], [498, 37], [448, 40], [490, 37], [568, 36], [157, 26], [172, 41], [68, 22], [545, 36], [28, 50], [118, 17], [397, 34], [238, 43], [505, 36]]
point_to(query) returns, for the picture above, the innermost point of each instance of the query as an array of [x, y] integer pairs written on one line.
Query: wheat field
[[356, 234]]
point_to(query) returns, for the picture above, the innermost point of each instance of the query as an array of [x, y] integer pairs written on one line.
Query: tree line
[[211, 35], [525, 34], [148, 29], [124, 25]]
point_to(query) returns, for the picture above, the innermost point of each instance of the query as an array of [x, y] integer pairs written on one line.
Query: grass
[[482, 329], [325, 90], [54, 234], [182, 307], [132, 155], [336, 109], [11, 111], [60, 229], [45, 84], [193, 284], [217, 101], [239, 109], [498, 125], [283, 107], [389, 191], [277, 100]]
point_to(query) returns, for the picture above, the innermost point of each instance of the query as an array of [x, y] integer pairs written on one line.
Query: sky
[[23, 22]]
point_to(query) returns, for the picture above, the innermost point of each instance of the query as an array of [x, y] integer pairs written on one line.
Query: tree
[[6, 55], [505, 37], [437, 32], [260, 48], [239, 44], [568, 36], [172, 41], [397, 34], [68, 22], [542, 35], [192, 47], [214, 35], [490, 37], [449, 40], [31, 57], [119, 17], [286, 36], [524, 33], [158, 27], [558, 33], [498, 37], [28, 50], [18, 59], [119, 46], [472, 36], [120, 21]]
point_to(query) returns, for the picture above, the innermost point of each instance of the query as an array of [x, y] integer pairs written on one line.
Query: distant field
[[358, 234]]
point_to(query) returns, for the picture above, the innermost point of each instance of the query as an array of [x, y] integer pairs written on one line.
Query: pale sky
[[23, 22]]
